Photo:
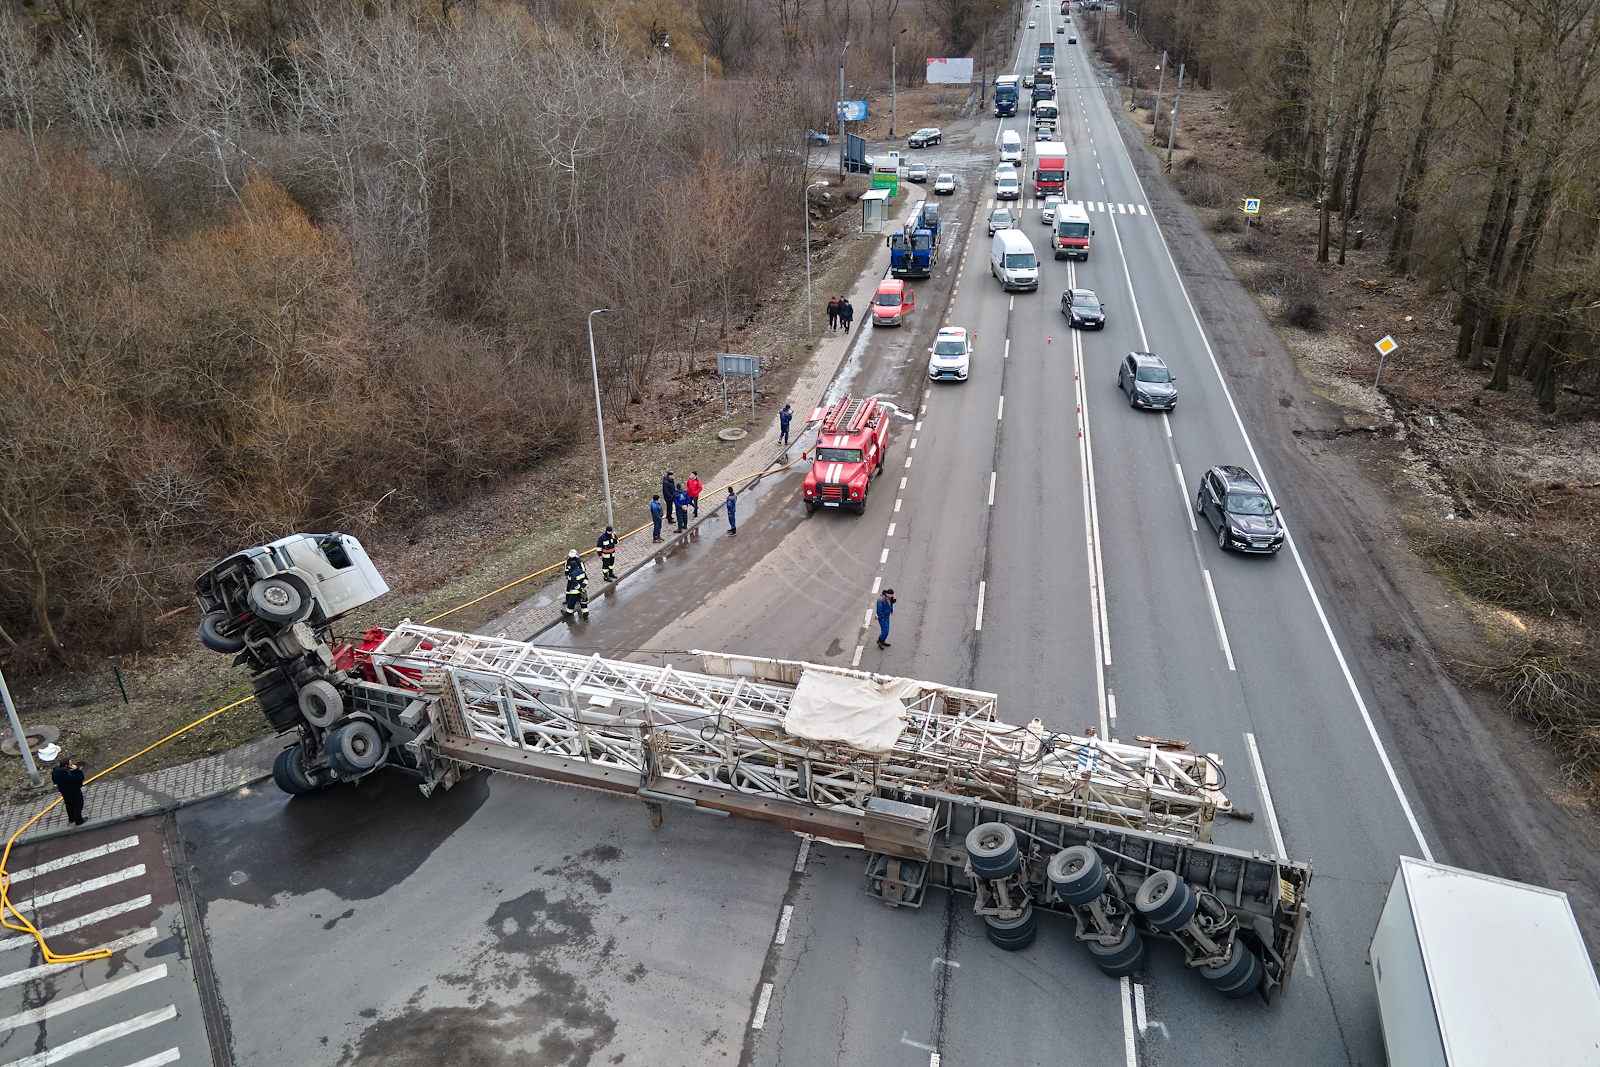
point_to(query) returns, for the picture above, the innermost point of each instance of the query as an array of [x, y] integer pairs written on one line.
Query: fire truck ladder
[[844, 419]]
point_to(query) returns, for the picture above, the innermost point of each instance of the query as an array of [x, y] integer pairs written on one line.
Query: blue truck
[[912, 255], [1005, 95]]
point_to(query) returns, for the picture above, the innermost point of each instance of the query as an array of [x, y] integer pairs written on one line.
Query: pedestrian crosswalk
[[115, 1012], [1090, 206]]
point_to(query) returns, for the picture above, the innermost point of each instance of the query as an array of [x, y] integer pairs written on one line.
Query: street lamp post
[[842, 51], [805, 206], [893, 78], [599, 415]]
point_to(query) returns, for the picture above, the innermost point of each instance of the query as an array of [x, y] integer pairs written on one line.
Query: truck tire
[[321, 703], [861, 508], [289, 772], [1077, 874], [1013, 934], [354, 748], [1165, 901], [1123, 958], [275, 601], [212, 637], [1237, 978], [992, 850]]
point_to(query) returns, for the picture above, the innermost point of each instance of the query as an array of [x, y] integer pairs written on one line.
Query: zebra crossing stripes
[[1091, 206]]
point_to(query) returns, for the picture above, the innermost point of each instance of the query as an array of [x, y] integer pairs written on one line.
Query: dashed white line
[[1001, 413], [875, 583], [1183, 496], [897, 502], [1111, 707], [908, 460], [902, 483], [1007, 354], [981, 586], [1138, 1007], [881, 560], [891, 530], [1216, 617], [783, 925], [800, 860], [913, 442], [760, 1018], [1266, 793], [855, 660], [991, 488], [1130, 1049]]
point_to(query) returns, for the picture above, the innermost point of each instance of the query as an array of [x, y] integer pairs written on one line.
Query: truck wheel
[[810, 507], [212, 637], [321, 703], [1237, 978], [289, 772], [1013, 934], [1077, 874], [354, 748], [1165, 901], [992, 850], [1124, 957], [275, 601]]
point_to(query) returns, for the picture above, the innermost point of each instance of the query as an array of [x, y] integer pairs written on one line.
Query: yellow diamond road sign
[[1386, 345], [1252, 206]]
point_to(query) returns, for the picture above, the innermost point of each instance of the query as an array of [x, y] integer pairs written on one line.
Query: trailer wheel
[[289, 772], [1013, 934], [1237, 978], [1123, 958], [1165, 901], [212, 637], [321, 703], [992, 850], [354, 748], [1077, 874], [276, 601]]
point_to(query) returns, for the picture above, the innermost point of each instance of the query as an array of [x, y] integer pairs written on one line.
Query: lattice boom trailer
[[938, 791]]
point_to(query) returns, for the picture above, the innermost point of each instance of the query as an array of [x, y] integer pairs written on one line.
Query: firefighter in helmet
[[608, 554], [577, 605]]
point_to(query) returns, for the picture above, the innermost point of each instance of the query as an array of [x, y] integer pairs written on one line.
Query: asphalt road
[[510, 922]]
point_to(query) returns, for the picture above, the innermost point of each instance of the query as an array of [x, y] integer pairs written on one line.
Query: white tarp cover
[[864, 713]]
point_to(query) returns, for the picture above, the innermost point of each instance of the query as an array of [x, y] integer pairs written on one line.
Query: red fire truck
[[850, 445]]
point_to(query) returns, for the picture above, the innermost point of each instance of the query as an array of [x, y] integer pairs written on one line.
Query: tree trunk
[[1325, 187], [1416, 171], [1369, 122]]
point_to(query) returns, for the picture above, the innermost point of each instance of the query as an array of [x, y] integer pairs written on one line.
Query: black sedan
[[1083, 309], [1148, 383], [1245, 518]]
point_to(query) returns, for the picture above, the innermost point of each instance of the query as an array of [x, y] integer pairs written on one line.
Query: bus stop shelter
[[875, 211]]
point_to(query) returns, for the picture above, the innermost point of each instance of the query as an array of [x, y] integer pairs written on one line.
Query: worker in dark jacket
[[732, 504], [68, 777], [884, 609], [669, 491], [577, 605], [657, 513], [607, 544], [681, 501]]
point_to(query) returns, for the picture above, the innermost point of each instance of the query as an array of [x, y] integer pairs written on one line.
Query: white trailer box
[[1474, 971]]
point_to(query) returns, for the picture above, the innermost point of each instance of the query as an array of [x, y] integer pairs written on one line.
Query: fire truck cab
[[850, 445]]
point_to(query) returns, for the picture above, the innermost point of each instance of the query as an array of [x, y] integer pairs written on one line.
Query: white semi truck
[[1477, 971], [1115, 837]]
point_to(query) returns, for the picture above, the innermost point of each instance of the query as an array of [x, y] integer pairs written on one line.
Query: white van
[[1011, 259], [1011, 147], [1070, 232]]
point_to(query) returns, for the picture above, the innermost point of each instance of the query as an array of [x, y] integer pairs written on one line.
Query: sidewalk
[[542, 609]]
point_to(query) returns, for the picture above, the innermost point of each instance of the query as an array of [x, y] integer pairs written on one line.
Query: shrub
[[1254, 242], [1226, 221], [1202, 188]]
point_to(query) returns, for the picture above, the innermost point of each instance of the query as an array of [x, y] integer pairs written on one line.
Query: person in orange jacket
[[693, 486]]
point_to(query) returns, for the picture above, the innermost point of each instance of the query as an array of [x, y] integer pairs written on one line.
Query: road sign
[[852, 110], [731, 365], [1386, 345], [1252, 206]]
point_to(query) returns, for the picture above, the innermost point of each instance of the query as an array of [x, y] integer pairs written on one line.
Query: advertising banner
[[856, 110], [949, 72]]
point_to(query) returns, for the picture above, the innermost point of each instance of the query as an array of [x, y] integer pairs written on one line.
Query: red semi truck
[[850, 445]]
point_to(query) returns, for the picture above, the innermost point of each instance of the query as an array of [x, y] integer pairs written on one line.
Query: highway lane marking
[[1111, 708], [760, 1018], [783, 925], [1299, 562], [1001, 414], [1007, 354], [76, 857], [855, 660], [891, 530], [62, 1005], [80, 888], [882, 560], [1183, 496], [800, 860], [1093, 516], [979, 626], [991, 488], [905, 1039], [897, 501], [1166, 423], [1098, 620], [875, 583], [160, 1059], [80, 922], [1266, 794], [908, 461], [99, 1037], [1138, 1007], [903, 482], [1130, 1048], [1216, 617], [919, 424], [913, 442]]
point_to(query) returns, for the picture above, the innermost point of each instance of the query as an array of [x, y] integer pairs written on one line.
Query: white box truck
[[1476, 971]]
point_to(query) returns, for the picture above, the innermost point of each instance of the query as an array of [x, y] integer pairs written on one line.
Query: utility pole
[[1172, 129], [894, 79], [22, 740], [983, 76], [1155, 116], [842, 51]]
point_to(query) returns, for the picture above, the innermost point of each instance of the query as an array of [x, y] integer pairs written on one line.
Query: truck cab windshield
[[839, 455], [1074, 229], [922, 241], [897, 241]]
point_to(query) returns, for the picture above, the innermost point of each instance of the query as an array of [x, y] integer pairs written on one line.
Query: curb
[[160, 809]]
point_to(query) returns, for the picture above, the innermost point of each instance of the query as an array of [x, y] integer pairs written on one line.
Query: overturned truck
[[925, 777]]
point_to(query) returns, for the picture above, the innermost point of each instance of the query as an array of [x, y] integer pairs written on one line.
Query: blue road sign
[[852, 111]]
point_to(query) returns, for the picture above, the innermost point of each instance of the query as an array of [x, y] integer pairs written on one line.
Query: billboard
[[886, 173], [856, 110], [949, 72]]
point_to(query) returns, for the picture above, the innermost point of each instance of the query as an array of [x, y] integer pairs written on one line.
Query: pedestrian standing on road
[[694, 487], [833, 312], [577, 605], [847, 314], [884, 609], [657, 513], [783, 424], [607, 544], [681, 499], [731, 503], [68, 777], [669, 489]]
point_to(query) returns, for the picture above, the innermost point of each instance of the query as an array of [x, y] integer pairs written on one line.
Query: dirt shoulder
[[1355, 471]]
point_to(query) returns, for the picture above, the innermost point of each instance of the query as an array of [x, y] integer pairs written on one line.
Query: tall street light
[[599, 415], [893, 78], [805, 206], [842, 51]]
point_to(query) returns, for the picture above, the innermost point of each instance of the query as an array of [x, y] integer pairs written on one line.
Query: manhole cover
[[36, 735], [733, 433]]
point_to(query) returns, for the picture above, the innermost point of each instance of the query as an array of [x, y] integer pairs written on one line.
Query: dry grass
[[1557, 688]]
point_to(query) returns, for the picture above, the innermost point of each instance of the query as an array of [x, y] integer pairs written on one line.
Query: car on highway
[[944, 185], [1245, 517], [1032, 24], [917, 172], [1063, 29], [1044, 133], [999, 219], [1008, 188], [950, 355], [1084, 310], [891, 302], [1071, 40], [1027, 81], [1147, 381], [815, 138], [1004, 170], [1049, 212], [928, 135]]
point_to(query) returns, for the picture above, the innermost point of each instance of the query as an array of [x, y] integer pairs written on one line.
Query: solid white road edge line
[[1183, 496], [1130, 1048], [1096, 591], [1266, 794], [1216, 617]]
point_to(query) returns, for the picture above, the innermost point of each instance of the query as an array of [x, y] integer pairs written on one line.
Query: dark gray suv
[[1245, 518], [1148, 383]]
